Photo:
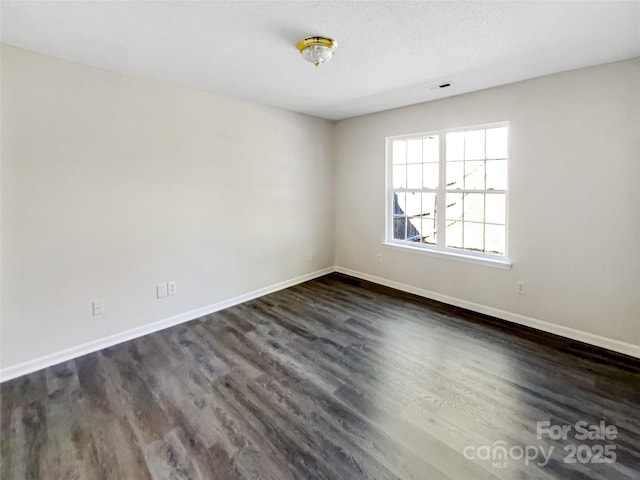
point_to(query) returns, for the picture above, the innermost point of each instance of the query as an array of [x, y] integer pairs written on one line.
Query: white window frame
[[440, 249]]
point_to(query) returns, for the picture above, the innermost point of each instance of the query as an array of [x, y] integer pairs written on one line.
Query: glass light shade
[[317, 54], [317, 50]]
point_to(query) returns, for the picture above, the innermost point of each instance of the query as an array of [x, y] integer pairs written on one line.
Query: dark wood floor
[[334, 379]]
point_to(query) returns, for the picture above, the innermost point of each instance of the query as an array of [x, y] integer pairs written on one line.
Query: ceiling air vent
[[438, 86]]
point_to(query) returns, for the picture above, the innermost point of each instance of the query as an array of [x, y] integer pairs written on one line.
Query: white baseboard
[[573, 334], [74, 352], [70, 353]]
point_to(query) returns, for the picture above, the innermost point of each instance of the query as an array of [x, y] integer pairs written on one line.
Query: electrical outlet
[[379, 257], [520, 287], [172, 287], [97, 307], [162, 290]]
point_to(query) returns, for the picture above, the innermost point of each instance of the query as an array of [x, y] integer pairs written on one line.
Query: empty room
[[320, 240]]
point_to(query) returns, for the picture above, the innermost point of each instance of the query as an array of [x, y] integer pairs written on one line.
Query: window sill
[[504, 264]]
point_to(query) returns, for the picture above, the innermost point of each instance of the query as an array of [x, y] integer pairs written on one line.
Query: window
[[447, 191]]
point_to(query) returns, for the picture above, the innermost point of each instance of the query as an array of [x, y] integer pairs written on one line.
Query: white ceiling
[[389, 53]]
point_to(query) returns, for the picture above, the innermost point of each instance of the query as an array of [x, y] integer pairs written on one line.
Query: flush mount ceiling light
[[317, 50]]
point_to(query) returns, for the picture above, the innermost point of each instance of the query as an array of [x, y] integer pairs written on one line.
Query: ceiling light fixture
[[317, 50]]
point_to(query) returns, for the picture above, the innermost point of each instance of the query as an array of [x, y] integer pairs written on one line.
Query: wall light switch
[[97, 307], [161, 290], [172, 288]]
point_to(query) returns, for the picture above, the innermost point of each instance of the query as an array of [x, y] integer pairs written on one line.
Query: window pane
[[399, 205], [428, 205], [494, 239], [399, 151], [399, 228], [413, 229], [497, 142], [454, 234], [414, 150], [454, 206], [413, 204], [455, 175], [474, 207], [455, 146], [428, 231], [496, 174], [430, 175], [495, 208], [474, 145], [414, 176], [474, 175], [473, 236], [431, 146], [399, 176]]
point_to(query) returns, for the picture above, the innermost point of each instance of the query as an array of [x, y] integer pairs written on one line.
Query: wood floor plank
[[335, 378]]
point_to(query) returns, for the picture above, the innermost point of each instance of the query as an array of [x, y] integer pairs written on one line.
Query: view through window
[[448, 190]]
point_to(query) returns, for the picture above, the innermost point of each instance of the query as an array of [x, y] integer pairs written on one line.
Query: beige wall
[[112, 184], [574, 210]]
